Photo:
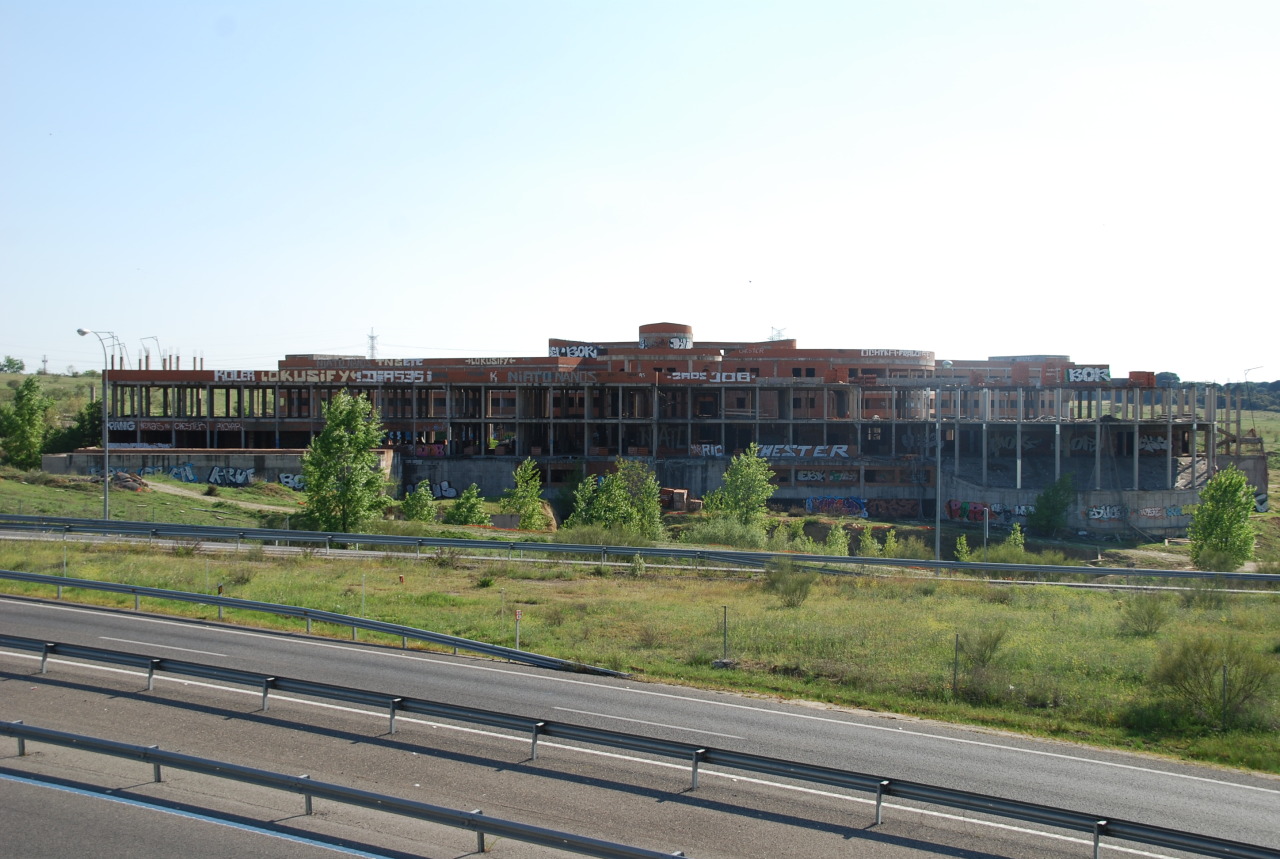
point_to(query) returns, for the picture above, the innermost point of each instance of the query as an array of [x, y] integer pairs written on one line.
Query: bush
[[1218, 680], [1144, 613], [789, 584], [600, 535], [979, 647], [468, 509], [725, 531]]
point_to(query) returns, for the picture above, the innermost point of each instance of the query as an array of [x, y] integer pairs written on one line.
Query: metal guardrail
[[833, 564], [476, 821], [1095, 824], [310, 614]]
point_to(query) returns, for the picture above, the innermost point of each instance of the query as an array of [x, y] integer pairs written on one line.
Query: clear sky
[[245, 180]]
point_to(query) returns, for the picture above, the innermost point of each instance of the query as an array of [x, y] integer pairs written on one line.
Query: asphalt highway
[[612, 796]]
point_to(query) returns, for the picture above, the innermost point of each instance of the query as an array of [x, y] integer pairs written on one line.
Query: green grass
[[1065, 668]]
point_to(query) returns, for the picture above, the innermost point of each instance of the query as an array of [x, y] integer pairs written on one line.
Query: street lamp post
[[103, 337]]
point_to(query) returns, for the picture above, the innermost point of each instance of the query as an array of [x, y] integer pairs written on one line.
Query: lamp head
[[83, 331]]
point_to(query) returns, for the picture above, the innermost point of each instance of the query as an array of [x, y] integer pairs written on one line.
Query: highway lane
[[1218, 802]]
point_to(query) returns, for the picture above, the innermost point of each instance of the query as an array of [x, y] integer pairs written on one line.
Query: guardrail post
[[266, 684], [306, 798], [533, 750], [353, 632], [151, 674], [1097, 836], [479, 834], [155, 768], [880, 801], [22, 742], [395, 702], [308, 624], [697, 756], [44, 657], [136, 598], [404, 642]]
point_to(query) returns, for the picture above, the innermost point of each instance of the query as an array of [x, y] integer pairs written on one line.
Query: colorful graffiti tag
[[836, 506]]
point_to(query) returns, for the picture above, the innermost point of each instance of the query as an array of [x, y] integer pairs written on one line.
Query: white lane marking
[[161, 646], [654, 724], [191, 815], [850, 724], [704, 770]]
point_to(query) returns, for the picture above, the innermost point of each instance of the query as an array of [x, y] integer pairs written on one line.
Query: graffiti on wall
[[1000, 514], [293, 481], [430, 450], [583, 351], [438, 490], [227, 476], [1005, 441], [1089, 374], [828, 505], [1106, 512], [818, 451], [706, 450], [1152, 443], [893, 508]]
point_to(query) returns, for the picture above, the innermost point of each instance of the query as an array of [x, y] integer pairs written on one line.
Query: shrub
[[1144, 613], [725, 531], [468, 509], [962, 552], [979, 647], [600, 535], [1217, 679], [837, 541], [789, 584]]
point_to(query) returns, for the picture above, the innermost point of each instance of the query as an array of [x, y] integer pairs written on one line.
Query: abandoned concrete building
[[892, 433]]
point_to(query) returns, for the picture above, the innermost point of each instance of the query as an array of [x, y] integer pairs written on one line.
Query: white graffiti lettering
[[551, 378], [1153, 442], [233, 375], [227, 476], [293, 481], [895, 353], [706, 450], [379, 376], [1089, 374], [821, 451], [121, 425], [680, 342], [1107, 511], [811, 476], [1084, 442], [584, 351]]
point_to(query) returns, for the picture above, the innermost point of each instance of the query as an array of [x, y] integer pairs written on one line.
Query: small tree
[[627, 499], [525, 500], [837, 542], [420, 505], [468, 509], [11, 364], [340, 467], [24, 425], [1050, 514], [868, 546], [963, 552], [746, 490], [1205, 673], [86, 431], [789, 584], [1221, 534]]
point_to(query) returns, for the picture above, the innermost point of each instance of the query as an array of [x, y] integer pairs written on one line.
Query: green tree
[[627, 498], [1050, 514], [85, 431], [468, 509], [837, 542], [420, 505], [11, 364], [1205, 673], [746, 489], [963, 552], [1221, 534], [25, 424], [341, 468], [868, 546], [525, 500]]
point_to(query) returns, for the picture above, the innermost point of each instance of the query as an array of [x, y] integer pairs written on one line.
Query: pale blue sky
[[242, 180]]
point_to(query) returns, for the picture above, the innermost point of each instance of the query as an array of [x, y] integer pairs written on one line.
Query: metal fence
[[309, 615], [1097, 825], [751, 560], [475, 821]]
